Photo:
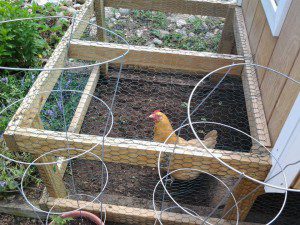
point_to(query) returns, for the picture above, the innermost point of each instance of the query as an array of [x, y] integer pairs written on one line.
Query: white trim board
[[287, 151], [276, 14]]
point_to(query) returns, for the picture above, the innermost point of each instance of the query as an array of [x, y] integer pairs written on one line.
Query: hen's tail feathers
[[210, 140], [211, 134]]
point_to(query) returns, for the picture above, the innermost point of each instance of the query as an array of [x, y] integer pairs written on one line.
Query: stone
[[61, 14], [71, 10], [205, 26], [139, 33], [43, 2], [216, 31], [157, 41], [77, 6], [182, 32], [117, 15], [109, 12], [93, 20], [209, 35], [192, 17], [164, 33], [124, 12], [192, 34], [80, 1], [63, 7], [180, 23]]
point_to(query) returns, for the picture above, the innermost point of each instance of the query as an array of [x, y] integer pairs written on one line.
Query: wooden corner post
[[99, 9], [227, 40], [50, 174]]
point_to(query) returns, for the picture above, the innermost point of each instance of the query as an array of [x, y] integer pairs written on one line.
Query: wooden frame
[[22, 135], [194, 7], [161, 58]]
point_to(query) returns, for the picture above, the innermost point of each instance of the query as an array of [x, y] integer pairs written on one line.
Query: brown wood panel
[[215, 8], [285, 102], [249, 16], [264, 50], [257, 28], [283, 58], [296, 184]]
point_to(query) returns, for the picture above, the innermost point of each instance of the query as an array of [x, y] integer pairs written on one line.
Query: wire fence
[[180, 148]]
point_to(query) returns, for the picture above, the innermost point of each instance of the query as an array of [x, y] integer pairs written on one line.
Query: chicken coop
[[153, 78]]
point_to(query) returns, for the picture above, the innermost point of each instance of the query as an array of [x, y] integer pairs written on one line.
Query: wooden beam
[[144, 153], [243, 189], [216, 8], [84, 101], [21, 209], [255, 110], [163, 58], [130, 215]]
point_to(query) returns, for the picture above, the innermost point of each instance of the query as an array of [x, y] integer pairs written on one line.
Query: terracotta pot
[[84, 214]]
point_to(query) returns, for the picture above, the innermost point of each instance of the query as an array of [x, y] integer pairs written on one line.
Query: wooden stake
[[50, 174], [227, 40], [101, 34]]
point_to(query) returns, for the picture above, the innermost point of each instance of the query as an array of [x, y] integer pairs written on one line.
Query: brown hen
[[163, 129]]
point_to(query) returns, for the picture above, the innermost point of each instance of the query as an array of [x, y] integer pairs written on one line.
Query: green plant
[[11, 173], [57, 220], [13, 88], [154, 19], [135, 40], [20, 42], [196, 25]]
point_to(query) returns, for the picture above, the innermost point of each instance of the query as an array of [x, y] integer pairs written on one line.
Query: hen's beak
[[151, 116]]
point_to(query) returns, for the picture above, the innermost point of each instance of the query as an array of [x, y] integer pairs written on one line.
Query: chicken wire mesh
[[69, 83], [133, 174]]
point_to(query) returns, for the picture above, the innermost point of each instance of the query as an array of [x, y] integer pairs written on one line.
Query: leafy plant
[[57, 220], [13, 88], [22, 44], [20, 41], [11, 173], [154, 19]]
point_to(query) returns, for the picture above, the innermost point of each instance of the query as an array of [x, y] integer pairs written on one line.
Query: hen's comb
[[156, 111]]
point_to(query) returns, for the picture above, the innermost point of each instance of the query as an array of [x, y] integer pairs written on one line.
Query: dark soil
[[6, 219], [133, 186], [140, 93]]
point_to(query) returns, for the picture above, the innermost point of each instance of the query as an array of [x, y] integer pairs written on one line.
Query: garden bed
[[141, 92]]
